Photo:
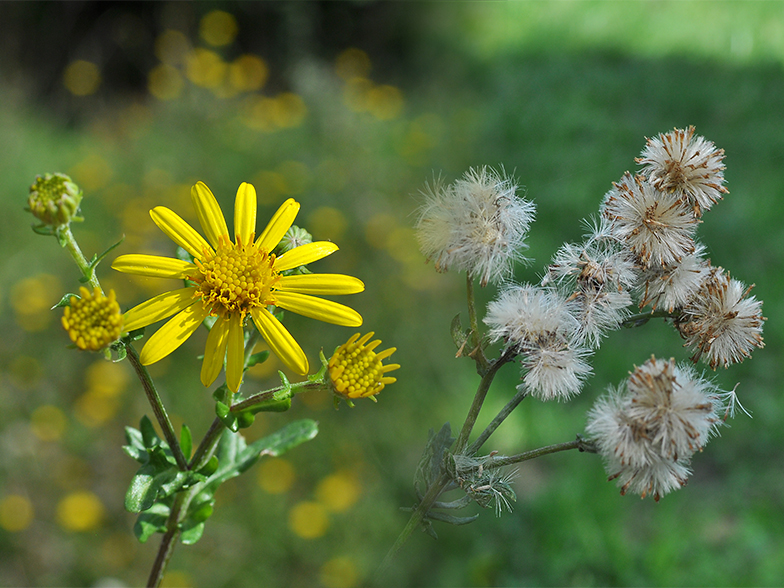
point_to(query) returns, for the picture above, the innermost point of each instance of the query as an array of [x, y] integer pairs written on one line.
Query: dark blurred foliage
[[41, 38]]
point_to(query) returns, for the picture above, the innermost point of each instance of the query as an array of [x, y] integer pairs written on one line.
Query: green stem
[[578, 443], [169, 539], [477, 353], [496, 422], [65, 236], [637, 320], [479, 398], [414, 521], [157, 407]]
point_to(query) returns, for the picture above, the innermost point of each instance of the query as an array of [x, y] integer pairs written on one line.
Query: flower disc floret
[[236, 278], [94, 320], [356, 371]]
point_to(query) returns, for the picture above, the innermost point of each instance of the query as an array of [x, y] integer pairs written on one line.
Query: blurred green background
[[351, 107]]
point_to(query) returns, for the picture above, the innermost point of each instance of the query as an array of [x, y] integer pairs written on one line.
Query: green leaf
[[225, 415], [287, 438], [186, 441], [211, 467], [191, 533], [257, 358], [135, 447], [99, 258], [151, 521], [149, 435], [143, 490], [66, 300]]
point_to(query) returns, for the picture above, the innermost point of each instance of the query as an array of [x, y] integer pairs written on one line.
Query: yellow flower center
[[356, 370], [94, 321], [236, 278]]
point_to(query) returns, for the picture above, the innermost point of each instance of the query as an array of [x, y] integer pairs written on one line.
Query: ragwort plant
[[236, 289], [639, 261]]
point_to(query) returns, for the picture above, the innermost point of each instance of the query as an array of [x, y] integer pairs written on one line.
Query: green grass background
[[562, 95]]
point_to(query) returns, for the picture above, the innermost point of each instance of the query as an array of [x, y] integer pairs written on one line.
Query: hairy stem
[[157, 407], [477, 353], [578, 443], [66, 237]]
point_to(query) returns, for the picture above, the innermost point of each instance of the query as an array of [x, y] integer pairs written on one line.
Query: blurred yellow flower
[[80, 511], [276, 475], [165, 82], [218, 28], [339, 572], [232, 281], [355, 370], [248, 73], [94, 321], [339, 491], [16, 513], [205, 68], [308, 520], [48, 423], [81, 78]]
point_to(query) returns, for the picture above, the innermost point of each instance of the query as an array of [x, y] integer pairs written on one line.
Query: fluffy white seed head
[[689, 167], [649, 428], [538, 324], [597, 275], [722, 323], [477, 224], [656, 226], [671, 287]]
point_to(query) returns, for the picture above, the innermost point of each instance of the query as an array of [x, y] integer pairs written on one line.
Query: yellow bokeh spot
[[248, 73], [177, 579], [93, 408], [378, 228], [92, 173], [276, 475], [290, 110], [165, 82], [106, 378], [338, 492], [218, 28], [327, 223], [385, 102], [32, 299], [48, 423], [16, 513], [339, 572], [352, 63], [356, 93], [205, 68], [270, 185], [80, 511], [308, 520], [172, 47], [81, 78]]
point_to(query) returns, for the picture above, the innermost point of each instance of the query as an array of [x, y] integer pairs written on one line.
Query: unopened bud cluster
[[54, 199]]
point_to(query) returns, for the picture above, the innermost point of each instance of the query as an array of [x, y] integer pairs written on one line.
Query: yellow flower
[[355, 370], [94, 321], [232, 280]]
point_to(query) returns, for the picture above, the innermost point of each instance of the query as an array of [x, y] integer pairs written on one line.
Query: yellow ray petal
[[280, 341], [320, 284], [235, 362], [210, 215], [173, 334], [214, 351], [318, 308], [153, 266], [245, 213], [304, 254], [179, 231], [158, 308], [280, 222]]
